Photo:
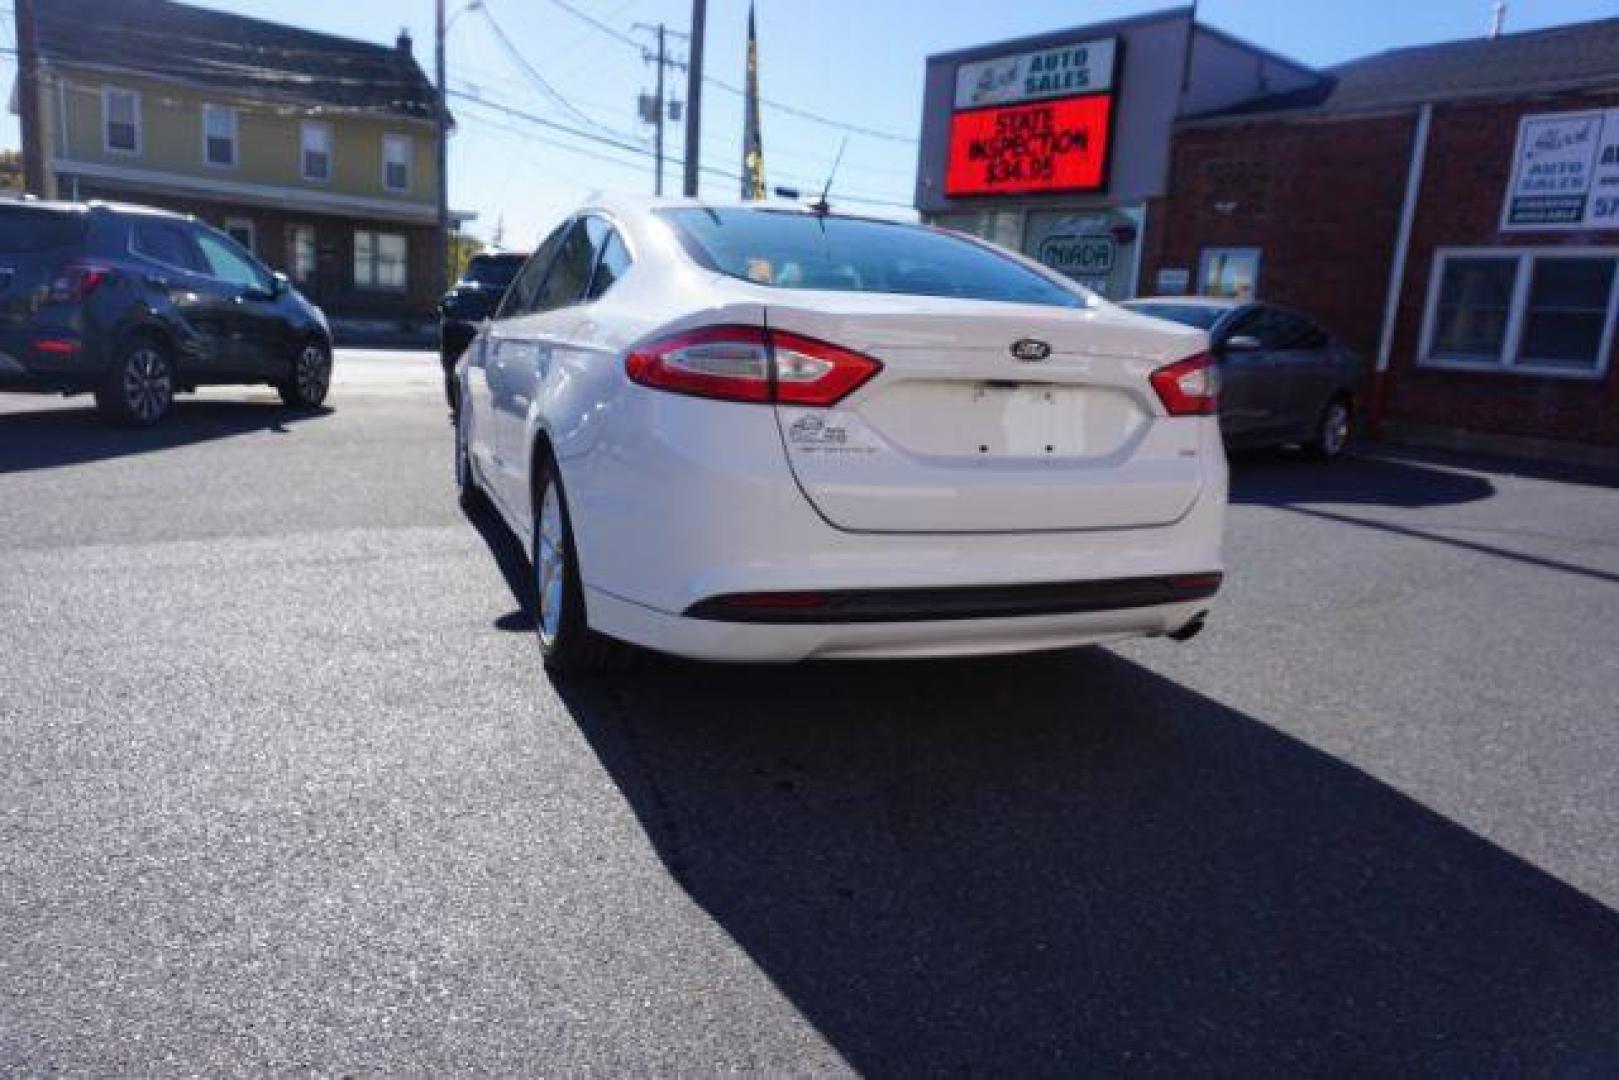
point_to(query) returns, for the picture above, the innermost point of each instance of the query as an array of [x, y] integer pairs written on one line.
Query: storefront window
[[1229, 272], [303, 254], [1475, 299], [1547, 311], [1567, 312], [379, 260]]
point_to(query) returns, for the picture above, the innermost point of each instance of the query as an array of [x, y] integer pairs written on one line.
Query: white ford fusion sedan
[[763, 433]]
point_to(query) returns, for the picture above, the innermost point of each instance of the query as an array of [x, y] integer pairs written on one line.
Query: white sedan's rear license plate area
[[1004, 419]]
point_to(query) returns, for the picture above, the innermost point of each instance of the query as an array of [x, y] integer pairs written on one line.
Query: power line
[[632, 148], [521, 62], [790, 110]]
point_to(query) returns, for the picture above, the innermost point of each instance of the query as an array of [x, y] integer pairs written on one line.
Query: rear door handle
[[157, 281]]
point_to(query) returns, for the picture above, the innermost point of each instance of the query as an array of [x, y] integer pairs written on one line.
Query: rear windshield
[[496, 270], [25, 229], [1201, 316], [793, 250]]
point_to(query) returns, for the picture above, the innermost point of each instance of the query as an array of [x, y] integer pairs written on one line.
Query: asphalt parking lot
[[286, 789]]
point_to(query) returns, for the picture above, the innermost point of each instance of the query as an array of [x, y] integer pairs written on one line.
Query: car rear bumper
[[705, 639], [27, 367]]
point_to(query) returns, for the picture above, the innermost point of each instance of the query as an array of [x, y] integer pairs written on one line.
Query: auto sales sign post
[[1034, 122], [1565, 173]]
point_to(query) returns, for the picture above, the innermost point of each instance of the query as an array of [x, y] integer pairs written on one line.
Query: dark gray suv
[[135, 305], [1283, 379]]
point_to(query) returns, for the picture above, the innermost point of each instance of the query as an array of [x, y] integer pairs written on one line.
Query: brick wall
[[1321, 200], [1464, 185]]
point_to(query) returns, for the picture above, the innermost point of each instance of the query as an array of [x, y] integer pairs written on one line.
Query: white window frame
[[107, 93], [1512, 338], [304, 129], [374, 285], [1207, 255], [245, 225], [394, 140], [235, 141], [292, 252]]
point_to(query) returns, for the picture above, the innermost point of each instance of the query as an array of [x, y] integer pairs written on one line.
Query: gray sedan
[[1284, 380]]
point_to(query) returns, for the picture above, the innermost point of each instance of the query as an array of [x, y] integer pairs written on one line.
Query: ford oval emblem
[[1028, 349]]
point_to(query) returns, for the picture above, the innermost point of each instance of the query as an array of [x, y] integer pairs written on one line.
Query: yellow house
[[316, 152]]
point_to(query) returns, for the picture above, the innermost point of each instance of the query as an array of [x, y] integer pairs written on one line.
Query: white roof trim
[[291, 198]]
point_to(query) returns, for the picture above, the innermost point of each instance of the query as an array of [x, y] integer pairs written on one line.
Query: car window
[[1266, 325], [167, 243], [570, 271], [520, 297], [794, 250], [227, 262], [614, 261], [1198, 316], [496, 271], [26, 229]]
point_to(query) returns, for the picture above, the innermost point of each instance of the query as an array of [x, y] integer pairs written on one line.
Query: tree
[[11, 173], [462, 249]]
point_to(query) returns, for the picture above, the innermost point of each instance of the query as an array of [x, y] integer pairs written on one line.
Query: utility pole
[[694, 96], [655, 110], [33, 158], [442, 244], [657, 187]]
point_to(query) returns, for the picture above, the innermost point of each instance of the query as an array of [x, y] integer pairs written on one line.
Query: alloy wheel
[[148, 385], [313, 373], [550, 565], [1335, 429]]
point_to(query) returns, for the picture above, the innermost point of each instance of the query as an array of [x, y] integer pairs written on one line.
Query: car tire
[[466, 482], [311, 377], [567, 643], [1332, 430], [138, 389]]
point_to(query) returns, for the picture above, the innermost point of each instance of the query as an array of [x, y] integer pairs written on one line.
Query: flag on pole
[[753, 151]]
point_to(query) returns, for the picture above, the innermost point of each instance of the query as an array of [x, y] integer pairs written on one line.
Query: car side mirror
[[1238, 343], [279, 283]]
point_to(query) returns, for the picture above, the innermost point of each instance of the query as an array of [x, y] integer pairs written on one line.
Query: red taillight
[[745, 363], [76, 281], [56, 346], [1189, 387]]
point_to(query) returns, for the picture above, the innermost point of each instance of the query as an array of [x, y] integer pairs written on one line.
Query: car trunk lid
[[957, 434]]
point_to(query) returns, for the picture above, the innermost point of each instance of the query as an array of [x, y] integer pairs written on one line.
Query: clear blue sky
[[856, 60]]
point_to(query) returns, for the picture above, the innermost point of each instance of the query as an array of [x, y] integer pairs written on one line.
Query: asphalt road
[[284, 789]]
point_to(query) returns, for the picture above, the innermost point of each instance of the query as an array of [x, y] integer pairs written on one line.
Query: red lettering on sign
[[1047, 146]]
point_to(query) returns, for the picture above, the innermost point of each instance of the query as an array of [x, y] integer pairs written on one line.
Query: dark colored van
[[135, 305]]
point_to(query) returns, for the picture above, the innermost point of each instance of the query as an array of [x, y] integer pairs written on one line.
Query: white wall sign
[[1173, 280], [1565, 173], [1083, 68]]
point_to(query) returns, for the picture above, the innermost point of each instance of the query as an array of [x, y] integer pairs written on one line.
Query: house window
[[1229, 272], [240, 229], [379, 260], [1543, 311], [315, 151], [121, 115], [396, 154], [219, 135], [302, 245]]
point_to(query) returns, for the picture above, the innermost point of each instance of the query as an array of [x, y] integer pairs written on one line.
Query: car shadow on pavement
[[1273, 478], [1067, 864], [1365, 483], [48, 438]]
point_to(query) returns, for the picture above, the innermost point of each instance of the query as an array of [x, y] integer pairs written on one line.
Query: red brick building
[[1452, 211]]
